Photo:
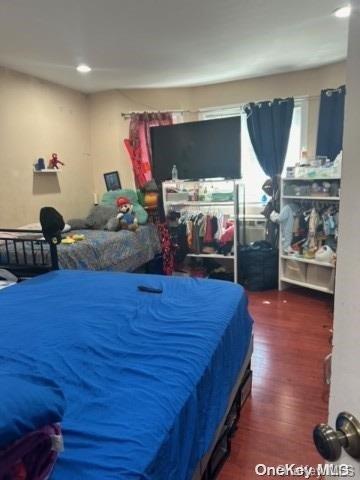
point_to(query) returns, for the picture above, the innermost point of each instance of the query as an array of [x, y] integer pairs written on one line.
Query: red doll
[[54, 162]]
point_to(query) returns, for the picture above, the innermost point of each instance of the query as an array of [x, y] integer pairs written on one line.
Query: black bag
[[258, 266], [52, 224]]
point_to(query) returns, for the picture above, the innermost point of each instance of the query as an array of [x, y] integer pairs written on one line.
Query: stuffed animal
[[126, 217]]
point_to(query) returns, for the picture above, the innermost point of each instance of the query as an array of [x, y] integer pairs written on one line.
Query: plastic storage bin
[[321, 276], [294, 270]]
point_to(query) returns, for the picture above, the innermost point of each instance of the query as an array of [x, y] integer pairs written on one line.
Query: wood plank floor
[[288, 396]]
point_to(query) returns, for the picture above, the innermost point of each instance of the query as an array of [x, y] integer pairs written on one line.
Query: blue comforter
[[146, 376]]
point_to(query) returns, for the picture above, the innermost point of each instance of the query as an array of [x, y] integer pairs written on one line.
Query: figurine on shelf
[[54, 162]]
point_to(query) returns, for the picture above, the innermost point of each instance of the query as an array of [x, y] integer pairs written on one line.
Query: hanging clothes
[[167, 248], [313, 225], [203, 231], [286, 220], [138, 144]]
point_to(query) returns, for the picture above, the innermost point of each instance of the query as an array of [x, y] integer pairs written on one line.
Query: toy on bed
[[103, 216], [126, 217], [70, 239]]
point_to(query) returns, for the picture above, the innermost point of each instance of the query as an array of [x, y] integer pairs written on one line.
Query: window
[[252, 174]]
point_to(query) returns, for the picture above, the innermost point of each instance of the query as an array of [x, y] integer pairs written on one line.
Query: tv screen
[[205, 149]]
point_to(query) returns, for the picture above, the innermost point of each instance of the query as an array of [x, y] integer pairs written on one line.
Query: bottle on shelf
[[174, 173]]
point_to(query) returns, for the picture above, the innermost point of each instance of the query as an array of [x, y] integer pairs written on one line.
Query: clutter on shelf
[[309, 221], [305, 229], [199, 192], [319, 188], [203, 220], [319, 167], [53, 164]]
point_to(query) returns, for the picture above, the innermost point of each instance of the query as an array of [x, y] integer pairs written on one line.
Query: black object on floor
[[258, 266], [155, 266]]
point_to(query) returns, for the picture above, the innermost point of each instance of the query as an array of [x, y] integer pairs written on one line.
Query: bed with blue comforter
[[146, 376], [122, 251]]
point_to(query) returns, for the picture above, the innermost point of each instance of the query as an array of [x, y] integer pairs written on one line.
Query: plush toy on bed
[[126, 217]]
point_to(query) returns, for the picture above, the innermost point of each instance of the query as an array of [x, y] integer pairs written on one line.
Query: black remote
[[144, 288]]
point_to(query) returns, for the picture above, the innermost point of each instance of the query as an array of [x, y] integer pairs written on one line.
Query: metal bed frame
[[26, 256]]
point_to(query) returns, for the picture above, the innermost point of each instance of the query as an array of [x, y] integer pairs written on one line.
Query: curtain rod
[[127, 115]]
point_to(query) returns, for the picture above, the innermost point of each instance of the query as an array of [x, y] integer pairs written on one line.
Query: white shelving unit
[[311, 197], [298, 270], [308, 260], [187, 187], [313, 286]]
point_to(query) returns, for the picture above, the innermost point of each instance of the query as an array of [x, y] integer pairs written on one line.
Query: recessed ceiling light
[[343, 12], [83, 68]]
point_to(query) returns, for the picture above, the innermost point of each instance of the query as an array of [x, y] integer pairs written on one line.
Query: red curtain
[[139, 146]]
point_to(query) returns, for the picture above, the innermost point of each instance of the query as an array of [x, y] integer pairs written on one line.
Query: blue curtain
[[331, 122], [269, 129]]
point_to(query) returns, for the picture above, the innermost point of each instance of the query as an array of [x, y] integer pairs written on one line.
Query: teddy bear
[[125, 216]]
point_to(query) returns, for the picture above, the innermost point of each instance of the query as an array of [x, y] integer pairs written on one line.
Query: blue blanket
[[113, 251], [146, 376]]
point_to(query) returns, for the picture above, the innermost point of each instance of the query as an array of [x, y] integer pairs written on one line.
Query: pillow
[[78, 224], [99, 216], [113, 225], [27, 404], [109, 198]]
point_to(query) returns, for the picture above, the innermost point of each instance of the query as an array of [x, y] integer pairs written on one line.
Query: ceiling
[[167, 43]]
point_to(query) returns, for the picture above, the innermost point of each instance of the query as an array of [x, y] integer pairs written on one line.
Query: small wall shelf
[[47, 170]]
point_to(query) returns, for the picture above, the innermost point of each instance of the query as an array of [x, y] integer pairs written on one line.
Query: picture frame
[[112, 181]]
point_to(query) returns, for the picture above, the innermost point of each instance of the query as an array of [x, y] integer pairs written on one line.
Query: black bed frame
[[27, 256], [222, 449]]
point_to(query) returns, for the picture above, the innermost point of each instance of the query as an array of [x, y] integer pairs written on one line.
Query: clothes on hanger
[[204, 231], [307, 226], [286, 220]]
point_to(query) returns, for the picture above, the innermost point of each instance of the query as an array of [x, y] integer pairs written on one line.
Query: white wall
[[345, 380], [36, 119], [108, 129]]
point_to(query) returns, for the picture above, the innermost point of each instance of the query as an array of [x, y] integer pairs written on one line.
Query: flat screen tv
[[205, 149]]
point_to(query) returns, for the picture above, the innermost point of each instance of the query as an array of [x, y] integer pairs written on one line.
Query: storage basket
[[294, 270], [321, 276]]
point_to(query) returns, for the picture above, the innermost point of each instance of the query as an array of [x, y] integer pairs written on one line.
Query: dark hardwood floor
[[288, 395]]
